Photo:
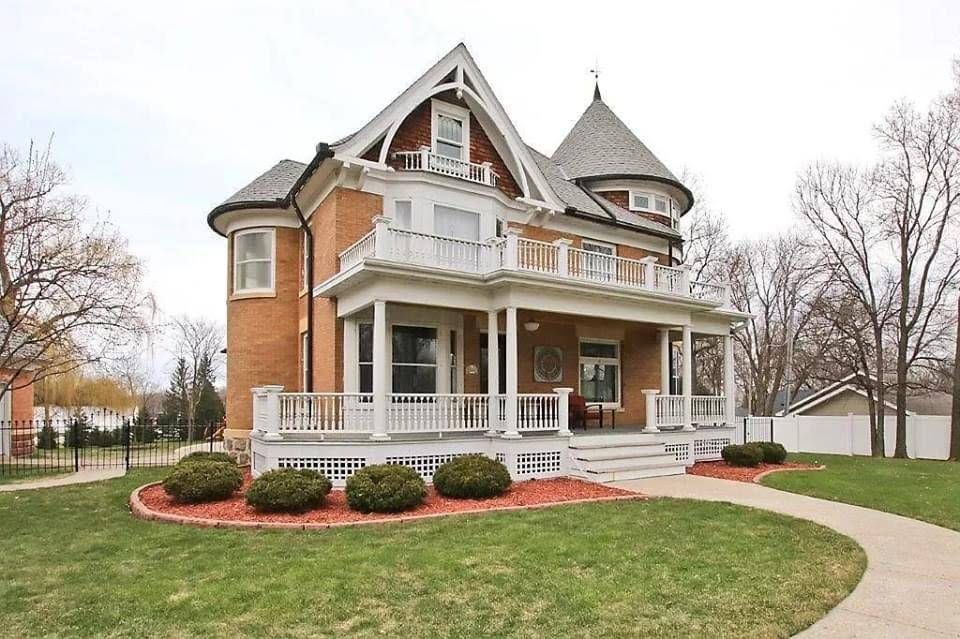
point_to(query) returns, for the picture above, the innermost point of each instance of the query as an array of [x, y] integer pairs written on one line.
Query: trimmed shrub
[[385, 488], [288, 490], [47, 438], [471, 476], [748, 455], [773, 453], [204, 456], [202, 481]]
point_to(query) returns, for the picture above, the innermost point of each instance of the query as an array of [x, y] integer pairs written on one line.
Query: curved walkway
[[911, 587], [82, 477]]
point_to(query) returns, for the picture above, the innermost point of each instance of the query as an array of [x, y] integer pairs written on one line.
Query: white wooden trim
[[438, 108], [599, 360]]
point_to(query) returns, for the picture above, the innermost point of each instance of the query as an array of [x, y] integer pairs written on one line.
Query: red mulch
[[525, 493], [723, 470]]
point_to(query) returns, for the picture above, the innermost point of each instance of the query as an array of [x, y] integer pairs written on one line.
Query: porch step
[[609, 441], [619, 452], [628, 463], [624, 474]]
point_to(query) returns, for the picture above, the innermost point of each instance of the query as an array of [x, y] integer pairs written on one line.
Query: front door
[[502, 351]]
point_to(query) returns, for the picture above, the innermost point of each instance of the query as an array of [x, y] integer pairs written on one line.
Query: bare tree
[[199, 342], [841, 207], [70, 293], [919, 183], [955, 413]]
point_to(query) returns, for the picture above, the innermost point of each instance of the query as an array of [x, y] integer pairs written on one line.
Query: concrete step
[[625, 475], [629, 463], [619, 452], [609, 441]]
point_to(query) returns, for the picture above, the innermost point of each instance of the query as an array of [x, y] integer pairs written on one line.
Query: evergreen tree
[[209, 405], [176, 400]]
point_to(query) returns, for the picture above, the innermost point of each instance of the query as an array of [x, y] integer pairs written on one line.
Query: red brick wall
[[416, 131], [21, 412]]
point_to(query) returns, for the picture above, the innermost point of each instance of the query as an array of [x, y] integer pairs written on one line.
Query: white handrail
[[668, 279], [437, 412], [353, 254], [426, 160], [326, 412], [538, 411], [707, 291], [709, 409], [540, 257], [670, 410], [597, 267], [444, 252]]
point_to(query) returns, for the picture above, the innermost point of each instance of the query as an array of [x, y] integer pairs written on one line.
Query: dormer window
[[451, 131]]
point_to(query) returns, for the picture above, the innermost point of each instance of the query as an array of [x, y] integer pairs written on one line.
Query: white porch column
[[664, 361], [729, 381], [270, 395], [563, 256], [563, 410], [687, 378], [650, 397], [511, 250], [649, 272], [493, 372], [510, 428], [351, 355], [380, 370]]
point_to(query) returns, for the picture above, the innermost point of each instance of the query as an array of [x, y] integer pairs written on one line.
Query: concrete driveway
[[911, 587]]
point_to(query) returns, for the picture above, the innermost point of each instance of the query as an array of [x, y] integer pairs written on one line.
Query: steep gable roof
[[601, 145]]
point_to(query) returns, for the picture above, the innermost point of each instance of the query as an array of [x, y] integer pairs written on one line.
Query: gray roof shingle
[[601, 144], [592, 205], [272, 184]]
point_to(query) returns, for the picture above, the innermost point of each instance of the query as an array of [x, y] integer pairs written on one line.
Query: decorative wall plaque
[[547, 364]]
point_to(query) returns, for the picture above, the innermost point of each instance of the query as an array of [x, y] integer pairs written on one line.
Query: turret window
[[639, 201], [660, 204], [254, 253]]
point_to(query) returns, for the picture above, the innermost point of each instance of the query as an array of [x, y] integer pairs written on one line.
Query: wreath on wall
[[547, 364]]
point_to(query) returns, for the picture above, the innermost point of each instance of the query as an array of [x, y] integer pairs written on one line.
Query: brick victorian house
[[431, 286]]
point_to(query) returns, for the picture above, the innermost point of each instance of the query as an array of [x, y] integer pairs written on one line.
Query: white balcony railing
[[325, 413], [708, 409], [437, 413], [533, 256], [670, 411], [427, 160]]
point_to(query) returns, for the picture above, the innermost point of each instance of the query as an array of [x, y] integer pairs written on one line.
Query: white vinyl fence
[[928, 436]]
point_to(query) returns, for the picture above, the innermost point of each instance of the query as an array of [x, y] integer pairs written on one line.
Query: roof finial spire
[[596, 81]]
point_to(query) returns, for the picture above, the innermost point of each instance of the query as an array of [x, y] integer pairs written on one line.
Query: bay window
[[600, 371], [254, 253]]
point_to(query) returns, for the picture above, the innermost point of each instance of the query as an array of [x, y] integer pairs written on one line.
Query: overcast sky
[[161, 111]]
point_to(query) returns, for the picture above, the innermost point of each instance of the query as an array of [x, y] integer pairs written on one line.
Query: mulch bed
[[723, 470], [525, 494]]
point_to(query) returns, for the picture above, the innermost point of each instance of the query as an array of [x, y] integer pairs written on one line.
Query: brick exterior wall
[[21, 412], [416, 131], [639, 355]]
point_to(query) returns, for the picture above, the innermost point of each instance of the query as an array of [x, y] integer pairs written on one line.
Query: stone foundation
[[238, 447]]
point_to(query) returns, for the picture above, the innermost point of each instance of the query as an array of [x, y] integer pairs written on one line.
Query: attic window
[[451, 131]]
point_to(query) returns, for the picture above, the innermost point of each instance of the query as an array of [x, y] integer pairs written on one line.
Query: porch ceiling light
[[531, 326]]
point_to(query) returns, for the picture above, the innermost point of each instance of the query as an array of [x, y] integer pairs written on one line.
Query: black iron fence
[[43, 447]]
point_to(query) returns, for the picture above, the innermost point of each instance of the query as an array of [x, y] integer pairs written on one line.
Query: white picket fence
[[928, 436]]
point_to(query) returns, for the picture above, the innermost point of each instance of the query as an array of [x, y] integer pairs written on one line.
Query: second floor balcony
[[518, 254], [426, 160]]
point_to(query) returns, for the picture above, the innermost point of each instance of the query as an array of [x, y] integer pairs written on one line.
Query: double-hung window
[[450, 141], [600, 371], [414, 359], [253, 261]]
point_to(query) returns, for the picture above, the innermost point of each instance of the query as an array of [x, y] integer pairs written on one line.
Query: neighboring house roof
[[601, 145], [932, 403], [270, 186], [20, 350], [827, 393], [576, 197]]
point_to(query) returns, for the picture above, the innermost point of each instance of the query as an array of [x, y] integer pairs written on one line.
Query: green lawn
[[75, 563], [922, 489], [18, 475]]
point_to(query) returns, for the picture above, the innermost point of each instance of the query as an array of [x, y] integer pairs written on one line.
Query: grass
[[75, 563], [918, 488], [20, 475]]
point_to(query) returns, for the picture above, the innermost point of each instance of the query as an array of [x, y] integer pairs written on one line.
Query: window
[[449, 137], [253, 255], [451, 222], [414, 359], [639, 201], [403, 214], [600, 371], [365, 357], [304, 359], [661, 205], [598, 260], [501, 228]]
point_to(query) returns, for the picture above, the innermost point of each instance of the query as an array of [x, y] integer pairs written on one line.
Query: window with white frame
[[451, 222], [365, 357], [600, 371], [414, 359], [651, 202], [660, 205], [254, 251], [451, 131], [403, 214]]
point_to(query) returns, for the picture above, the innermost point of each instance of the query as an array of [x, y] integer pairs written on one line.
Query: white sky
[[162, 111]]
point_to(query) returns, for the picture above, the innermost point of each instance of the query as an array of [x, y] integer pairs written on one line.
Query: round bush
[[471, 476], [204, 456], [288, 490], [202, 481], [773, 453], [384, 488], [748, 455]]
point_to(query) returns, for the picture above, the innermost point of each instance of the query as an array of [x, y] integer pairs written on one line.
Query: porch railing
[[708, 409], [427, 160], [670, 411], [277, 413], [524, 254]]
